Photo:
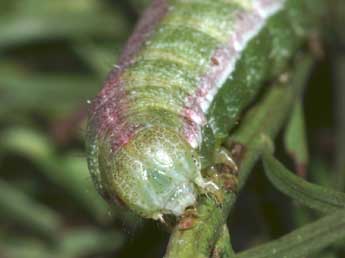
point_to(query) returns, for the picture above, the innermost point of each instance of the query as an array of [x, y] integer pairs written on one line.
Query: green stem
[[223, 248], [295, 139], [304, 241], [311, 195], [260, 125]]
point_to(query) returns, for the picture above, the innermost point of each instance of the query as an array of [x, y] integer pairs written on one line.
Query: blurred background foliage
[[54, 56]]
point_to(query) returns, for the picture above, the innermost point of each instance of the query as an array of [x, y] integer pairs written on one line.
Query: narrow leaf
[[311, 195], [295, 139], [86, 241], [22, 92], [69, 171], [304, 241], [100, 58], [19, 208], [60, 20]]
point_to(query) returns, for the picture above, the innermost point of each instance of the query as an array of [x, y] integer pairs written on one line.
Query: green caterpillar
[[187, 72]]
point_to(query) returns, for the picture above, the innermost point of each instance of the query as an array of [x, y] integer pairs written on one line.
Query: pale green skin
[[158, 172], [149, 184]]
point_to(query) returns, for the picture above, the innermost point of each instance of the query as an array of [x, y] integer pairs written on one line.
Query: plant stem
[[303, 241], [223, 247], [260, 125], [311, 195]]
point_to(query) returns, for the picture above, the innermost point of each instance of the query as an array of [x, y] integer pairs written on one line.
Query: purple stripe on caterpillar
[[247, 25], [109, 107]]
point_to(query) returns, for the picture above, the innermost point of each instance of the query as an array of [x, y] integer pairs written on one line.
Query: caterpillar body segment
[[187, 72]]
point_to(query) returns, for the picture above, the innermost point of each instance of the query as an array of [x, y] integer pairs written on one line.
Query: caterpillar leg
[[188, 218], [223, 174], [226, 169], [209, 186], [222, 156]]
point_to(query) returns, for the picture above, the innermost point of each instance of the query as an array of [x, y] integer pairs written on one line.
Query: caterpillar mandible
[[186, 73]]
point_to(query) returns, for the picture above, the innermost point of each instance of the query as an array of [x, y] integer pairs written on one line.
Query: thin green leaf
[[327, 254], [304, 241], [311, 195], [21, 92], [69, 171], [295, 139], [87, 241], [60, 19], [25, 247], [99, 58], [18, 207], [80, 242]]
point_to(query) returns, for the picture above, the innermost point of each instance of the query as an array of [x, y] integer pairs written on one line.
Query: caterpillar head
[[157, 172]]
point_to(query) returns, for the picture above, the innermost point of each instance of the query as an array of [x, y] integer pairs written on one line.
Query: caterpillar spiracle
[[185, 75]]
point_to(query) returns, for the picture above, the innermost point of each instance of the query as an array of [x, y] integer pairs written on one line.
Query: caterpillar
[[185, 75]]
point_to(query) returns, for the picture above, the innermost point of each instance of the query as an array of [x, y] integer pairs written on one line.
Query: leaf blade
[[304, 241], [312, 195], [295, 139]]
